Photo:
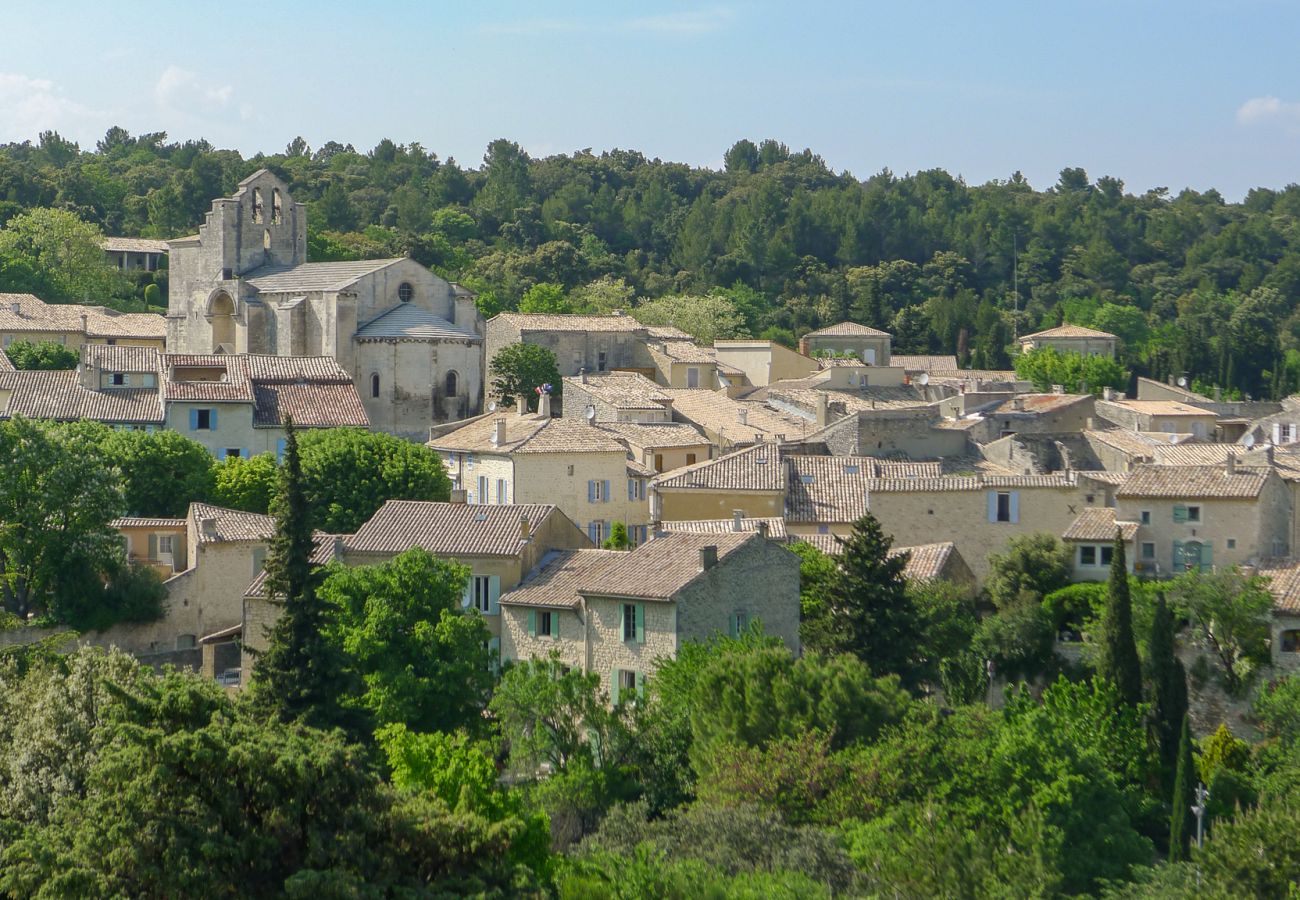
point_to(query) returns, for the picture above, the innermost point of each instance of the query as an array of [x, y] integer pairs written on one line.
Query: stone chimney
[[85, 323], [708, 557], [737, 517], [16, 308], [1090, 424], [525, 529], [544, 406], [522, 406], [208, 527], [1232, 464], [803, 346], [338, 546], [762, 528], [457, 496], [582, 375], [743, 415], [821, 409], [498, 432], [1018, 404]]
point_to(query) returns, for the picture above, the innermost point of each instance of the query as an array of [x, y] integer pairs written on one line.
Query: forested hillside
[[1192, 283]]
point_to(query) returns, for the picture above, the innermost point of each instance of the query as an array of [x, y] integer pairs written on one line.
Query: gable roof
[[449, 529], [310, 405], [925, 562], [409, 321], [322, 554], [314, 276], [558, 322], [1193, 482], [1099, 524], [775, 525], [914, 363], [60, 396], [825, 489], [133, 245], [848, 328], [529, 434], [5, 364], [1068, 331], [315, 390], [756, 468], [26, 312], [230, 524], [119, 358], [654, 434]]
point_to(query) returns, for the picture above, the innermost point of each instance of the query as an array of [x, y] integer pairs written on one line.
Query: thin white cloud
[[181, 90], [29, 106], [1269, 110], [686, 23]]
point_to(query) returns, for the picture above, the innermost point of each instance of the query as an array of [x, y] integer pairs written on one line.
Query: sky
[[1198, 93]]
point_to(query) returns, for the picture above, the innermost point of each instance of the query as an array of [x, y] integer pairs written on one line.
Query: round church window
[[405, 292]]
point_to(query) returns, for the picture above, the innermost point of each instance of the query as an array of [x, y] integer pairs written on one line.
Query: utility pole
[[1015, 286]]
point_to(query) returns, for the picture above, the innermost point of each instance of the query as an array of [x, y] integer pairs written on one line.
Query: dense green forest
[[1192, 283]]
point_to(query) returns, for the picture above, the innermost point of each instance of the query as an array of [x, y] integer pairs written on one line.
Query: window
[[277, 210], [692, 377], [257, 205], [625, 686], [1087, 555], [1232, 543], [690, 459], [165, 544], [637, 535], [1291, 641], [543, 623], [597, 491], [1106, 553], [120, 379], [635, 489], [482, 489], [374, 384], [601, 361], [634, 623], [1193, 514], [1004, 506], [233, 453], [1148, 550], [405, 292], [501, 491], [450, 387], [1146, 517], [596, 531], [481, 596], [737, 622], [203, 420], [659, 462]]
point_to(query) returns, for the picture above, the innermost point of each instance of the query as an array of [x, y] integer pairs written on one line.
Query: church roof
[[413, 323], [316, 276]]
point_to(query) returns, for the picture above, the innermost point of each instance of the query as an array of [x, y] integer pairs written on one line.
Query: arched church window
[[277, 211], [451, 383], [374, 384], [257, 204], [405, 292]]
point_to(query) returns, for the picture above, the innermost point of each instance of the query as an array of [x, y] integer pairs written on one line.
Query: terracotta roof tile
[[832, 489], [119, 358], [923, 363], [147, 522], [60, 396], [529, 434], [718, 413], [230, 524], [548, 322], [775, 526], [1099, 524], [1284, 585], [925, 562], [448, 529], [756, 468], [847, 328], [1068, 331], [35, 315], [1193, 482], [322, 554], [309, 405], [977, 482], [654, 434]]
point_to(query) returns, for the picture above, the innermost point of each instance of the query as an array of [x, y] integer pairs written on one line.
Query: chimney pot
[[708, 557], [457, 496], [208, 526], [544, 406], [499, 432], [582, 375], [1232, 463], [737, 516], [762, 528]]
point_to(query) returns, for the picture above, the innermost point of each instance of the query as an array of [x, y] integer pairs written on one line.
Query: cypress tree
[[1119, 657], [300, 674], [1180, 821], [1168, 688]]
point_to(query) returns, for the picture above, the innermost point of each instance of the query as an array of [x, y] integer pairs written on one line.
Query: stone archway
[[221, 314]]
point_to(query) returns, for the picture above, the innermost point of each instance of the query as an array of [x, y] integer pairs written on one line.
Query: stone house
[[915, 432], [411, 341], [1284, 585], [133, 254], [1072, 339], [616, 397], [751, 480], [1091, 542], [617, 613], [925, 562], [871, 345], [595, 343], [1023, 414], [660, 447], [681, 364], [1165, 416], [761, 363], [24, 317], [1204, 516], [533, 458]]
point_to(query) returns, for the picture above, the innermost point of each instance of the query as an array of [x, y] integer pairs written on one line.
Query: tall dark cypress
[[1180, 820], [1119, 657], [299, 676], [1168, 689]]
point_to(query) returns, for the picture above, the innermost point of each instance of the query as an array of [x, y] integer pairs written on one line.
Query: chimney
[[708, 557], [544, 406], [743, 415], [1170, 379], [85, 323], [762, 528], [457, 496], [1058, 389], [821, 409], [582, 375], [338, 546], [1218, 394], [1108, 393], [737, 515], [523, 406], [498, 432], [1090, 424], [208, 526], [1018, 404], [16, 308], [1232, 463], [525, 529], [803, 346], [1066, 462], [1268, 455]]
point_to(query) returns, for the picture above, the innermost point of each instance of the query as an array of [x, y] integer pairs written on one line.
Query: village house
[[411, 342], [1072, 339], [760, 363], [155, 543], [617, 614], [134, 254], [925, 562], [1284, 585], [751, 480], [871, 345], [594, 343], [615, 397], [1166, 416], [660, 447], [1090, 541], [24, 317]]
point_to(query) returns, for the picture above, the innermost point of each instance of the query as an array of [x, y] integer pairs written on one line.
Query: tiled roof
[[999, 375], [718, 413], [313, 276], [288, 369], [1099, 524], [1114, 479], [622, 390], [36, 315], [925, 562], [1155, 407], [408, 321], [847, 328], [230, 524], [839, 362], [1284, 585], [756, 468], [60, 396], [146, 522], [549, 322], [976, 482], [654, 434], [656, 570], [118, 358], [826, 489], [687, 352], [667, 333], [923, 363], [1037, 403], [133, 245], [233, 387], [1198, 454], [640, 470], [5, 364], [312, 405], [1068, 331], [1193, 482], [530, 434], [775, 526], [322, 554], [448, 529], [1131, 443]]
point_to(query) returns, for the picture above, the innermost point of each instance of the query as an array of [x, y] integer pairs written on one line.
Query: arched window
[[451, 383], [277, 212], [257, 204], [374, 384], [405, 292]]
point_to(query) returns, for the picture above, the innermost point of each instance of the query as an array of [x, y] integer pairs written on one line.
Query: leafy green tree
[[423, 659], [707, 319], [65, 250], [1168, 689], [1230, 615], [1038, 563], [1047, 366], [245, 483], [947, 614], [300, 675], [163, 472], [1180, 827], [518, 370], [603, 296], [348, 473], [1277, 709], [544, 298], [865, 609], [646, 874], [1118, 661], [41, 356], [618, 539]]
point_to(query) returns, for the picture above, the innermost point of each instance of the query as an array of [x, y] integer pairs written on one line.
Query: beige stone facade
[[763, 362], [1072, 339], [870, 345], [24, 317]]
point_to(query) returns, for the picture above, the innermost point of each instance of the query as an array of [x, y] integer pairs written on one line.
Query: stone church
[[412, 341]]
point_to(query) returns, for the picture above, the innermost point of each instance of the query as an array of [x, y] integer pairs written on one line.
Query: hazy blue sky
[[1200, 93]]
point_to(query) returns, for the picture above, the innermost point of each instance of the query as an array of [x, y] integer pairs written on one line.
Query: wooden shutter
[[613, 687], [153, 546], [591, 491], [194, 420], [993, 506], [1179, 561], [1180, 513], [606, 495], [1207, 556], [212, 419], [1015, 507], [631, 489], [640, 684], [640, 623], [532, 623], [494, 593]]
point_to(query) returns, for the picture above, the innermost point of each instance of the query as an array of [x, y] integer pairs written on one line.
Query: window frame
[[405, 292], [1003, 508]]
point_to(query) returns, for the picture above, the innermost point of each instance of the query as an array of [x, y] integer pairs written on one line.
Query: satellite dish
[[1173, 438], [1248, 441], [1182, 381], [492, 407], [923, 378], [590, 413]]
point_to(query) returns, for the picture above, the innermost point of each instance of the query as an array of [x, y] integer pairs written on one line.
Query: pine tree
[[1168, 688], [865, 609], [1119, 657], [300, 674], [1180, 821]]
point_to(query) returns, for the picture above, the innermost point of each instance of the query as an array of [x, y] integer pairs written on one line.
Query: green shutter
[[494, 593], [532, 623], [640, 623], [1207, 556], [732, 625], [1179, 562], [640, 685], [1180, 513], [555, 624], [613, 687]]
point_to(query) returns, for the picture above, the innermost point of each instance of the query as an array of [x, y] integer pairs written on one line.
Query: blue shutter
[[279, 450], [631, 489], [212, 419], [591, 491], [194, 420], [993, 506], [1015, 507], [593, 535], [1207, 556], [494, 593], [606, 495]]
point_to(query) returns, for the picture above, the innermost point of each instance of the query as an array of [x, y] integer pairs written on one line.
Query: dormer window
[[405, 292]]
